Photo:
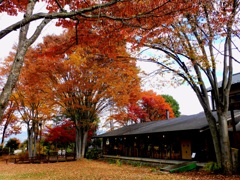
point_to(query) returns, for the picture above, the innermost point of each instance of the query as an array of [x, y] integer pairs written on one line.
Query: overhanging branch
[[55, 15]]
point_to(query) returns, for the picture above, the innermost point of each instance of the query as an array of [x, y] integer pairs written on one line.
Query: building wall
[[162, 146]]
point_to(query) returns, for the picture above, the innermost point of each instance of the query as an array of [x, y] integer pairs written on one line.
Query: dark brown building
[[185, 138]]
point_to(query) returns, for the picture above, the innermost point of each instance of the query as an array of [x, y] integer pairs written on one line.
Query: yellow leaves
[[88, 77], [78, 57]]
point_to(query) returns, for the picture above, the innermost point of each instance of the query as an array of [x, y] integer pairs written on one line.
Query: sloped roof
[[237, 127], [183, 123], [235, 80]]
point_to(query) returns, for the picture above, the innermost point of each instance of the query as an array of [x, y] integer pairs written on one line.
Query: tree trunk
[[78, 143], [84, 142], [34, 139], [215, 135], [23, 45], [30, 154], [4, 131], [81, 142], [225, 143], [221, 140]]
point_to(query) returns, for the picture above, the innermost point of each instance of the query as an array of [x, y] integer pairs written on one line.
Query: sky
[[183, 94]]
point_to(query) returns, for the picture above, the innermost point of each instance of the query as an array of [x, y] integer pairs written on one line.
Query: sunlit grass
[[83, 169], [88, 170]]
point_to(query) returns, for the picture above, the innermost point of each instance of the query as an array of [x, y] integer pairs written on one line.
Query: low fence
[[52, 157]]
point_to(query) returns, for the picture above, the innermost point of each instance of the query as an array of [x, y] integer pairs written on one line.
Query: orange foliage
[[150, 107], [82, 78], [31, 96], [94, 79], [155, 106], [82, 82]]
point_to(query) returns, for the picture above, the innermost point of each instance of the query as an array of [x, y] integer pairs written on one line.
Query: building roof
[[183, 123], [237, 127], [235, 80]]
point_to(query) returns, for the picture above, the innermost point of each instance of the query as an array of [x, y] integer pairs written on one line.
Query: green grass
[[30, 175]]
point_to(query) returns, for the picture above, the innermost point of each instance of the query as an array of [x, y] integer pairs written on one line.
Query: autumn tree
[[85, 79], [88, 85], [33, 114], [173, 103], [12, 144], [199, 48], [60, 135], [75, 14], [63, 134], [150, 107], [155, 106], [32, 100], [10, 124]]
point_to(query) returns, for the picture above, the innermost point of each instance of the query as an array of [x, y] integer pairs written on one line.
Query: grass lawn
[[93, 170]]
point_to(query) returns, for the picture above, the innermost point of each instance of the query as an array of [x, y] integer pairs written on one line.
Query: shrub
[[93, 153], [212, 167], [118, 162], [5, 151], [111, 161], [136, 164]]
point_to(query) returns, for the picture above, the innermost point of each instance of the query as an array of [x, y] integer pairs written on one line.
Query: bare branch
[[85, 14], [59, 5], [55, 15], [38, 31]]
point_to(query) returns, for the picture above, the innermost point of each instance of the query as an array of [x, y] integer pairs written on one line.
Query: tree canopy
[[12, 144], [10, 124], [61, 135], [104, 17], [173, 103], [149, 107]]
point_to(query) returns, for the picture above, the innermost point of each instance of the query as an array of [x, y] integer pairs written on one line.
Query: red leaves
[[136, 113], [12, 7], [150, 107], [155, 106], [63, 133]]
